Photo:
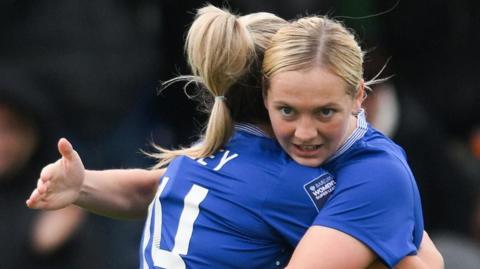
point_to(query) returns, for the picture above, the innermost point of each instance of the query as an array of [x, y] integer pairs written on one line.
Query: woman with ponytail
[[234, 199]]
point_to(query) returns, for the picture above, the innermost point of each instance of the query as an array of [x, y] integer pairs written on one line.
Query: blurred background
[[89, 71]]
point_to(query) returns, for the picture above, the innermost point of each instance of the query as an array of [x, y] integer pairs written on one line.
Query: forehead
[[316, 84]]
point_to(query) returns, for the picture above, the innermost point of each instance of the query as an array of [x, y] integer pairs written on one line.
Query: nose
[[305, 130]]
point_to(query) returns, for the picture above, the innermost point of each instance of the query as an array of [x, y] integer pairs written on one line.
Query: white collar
[[251, 129], [356, 135]]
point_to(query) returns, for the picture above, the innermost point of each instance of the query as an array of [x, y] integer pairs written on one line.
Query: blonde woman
[[314, 90]]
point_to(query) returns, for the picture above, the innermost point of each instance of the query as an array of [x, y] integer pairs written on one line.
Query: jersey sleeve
[[288, 208], [376, 201]]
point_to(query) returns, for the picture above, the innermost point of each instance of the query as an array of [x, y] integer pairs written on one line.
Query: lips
[[308, 147], [306, 150]]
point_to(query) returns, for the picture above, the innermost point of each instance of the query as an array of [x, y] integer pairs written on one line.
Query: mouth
[[306, 150]]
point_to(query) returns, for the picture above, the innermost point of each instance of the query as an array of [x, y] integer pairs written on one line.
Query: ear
[[359, 97]]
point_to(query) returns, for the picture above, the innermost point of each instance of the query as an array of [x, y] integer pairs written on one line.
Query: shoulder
[[253, 143], [376, 199], [376, 162], [378, 178], [373, 176]]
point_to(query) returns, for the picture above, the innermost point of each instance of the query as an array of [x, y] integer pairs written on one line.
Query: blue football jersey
[[246, 206], [376, 199]]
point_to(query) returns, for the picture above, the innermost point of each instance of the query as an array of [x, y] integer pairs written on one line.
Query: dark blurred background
[[89, 71]]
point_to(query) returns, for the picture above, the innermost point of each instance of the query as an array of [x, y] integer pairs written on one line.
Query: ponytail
[[219, 50]]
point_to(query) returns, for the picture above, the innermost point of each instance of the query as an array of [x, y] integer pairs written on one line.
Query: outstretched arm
[[120, 193]]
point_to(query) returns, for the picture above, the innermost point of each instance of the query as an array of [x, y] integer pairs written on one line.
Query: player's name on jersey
[[218, 160]]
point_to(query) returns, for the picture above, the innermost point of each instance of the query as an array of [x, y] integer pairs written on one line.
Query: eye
[[326, 112], [286, 111]]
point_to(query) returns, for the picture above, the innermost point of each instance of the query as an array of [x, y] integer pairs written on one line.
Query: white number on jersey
[[172, 259]]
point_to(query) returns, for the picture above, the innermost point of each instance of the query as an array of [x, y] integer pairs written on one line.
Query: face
[[311, 113]]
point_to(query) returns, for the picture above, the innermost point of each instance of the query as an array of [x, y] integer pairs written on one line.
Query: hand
[[60, 182]]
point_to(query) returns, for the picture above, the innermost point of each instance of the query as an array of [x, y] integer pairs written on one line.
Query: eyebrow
[[329, 104]]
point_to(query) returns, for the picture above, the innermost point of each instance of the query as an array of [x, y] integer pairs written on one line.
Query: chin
[[308, 162]]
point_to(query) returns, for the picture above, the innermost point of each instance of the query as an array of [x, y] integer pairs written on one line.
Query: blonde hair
[[224, 53], [316, 42]]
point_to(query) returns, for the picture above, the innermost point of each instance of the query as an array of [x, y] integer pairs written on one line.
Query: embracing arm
[[428, 257], [120, 193], [325, 248], [334, 249]]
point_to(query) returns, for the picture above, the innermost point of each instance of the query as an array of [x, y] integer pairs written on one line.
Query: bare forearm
[[429, 253], [428, 257], [122, 193], [326, 248]]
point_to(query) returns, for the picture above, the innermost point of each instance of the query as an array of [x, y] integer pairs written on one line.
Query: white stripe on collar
[[357, 134], [250, 128]]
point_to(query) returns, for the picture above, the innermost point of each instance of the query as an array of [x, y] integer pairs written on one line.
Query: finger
[[66, 149], [46, 173], [38, 204], [33, 200], [38, 201], [30, 203], [41, 186]]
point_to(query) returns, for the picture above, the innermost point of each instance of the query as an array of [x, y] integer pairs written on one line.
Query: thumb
[[66, 149]]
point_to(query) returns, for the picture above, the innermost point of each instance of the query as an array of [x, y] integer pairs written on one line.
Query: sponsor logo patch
[[319, 189]]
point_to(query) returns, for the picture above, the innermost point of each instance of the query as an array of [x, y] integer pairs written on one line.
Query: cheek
[[278, 126], [335, 131], [281, 128]]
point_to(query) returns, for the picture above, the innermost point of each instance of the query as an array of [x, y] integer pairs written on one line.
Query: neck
[[352, 125]]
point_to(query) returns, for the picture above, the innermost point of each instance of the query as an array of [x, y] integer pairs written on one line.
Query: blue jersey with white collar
[[249, 204], [244, 207], [376, 199]]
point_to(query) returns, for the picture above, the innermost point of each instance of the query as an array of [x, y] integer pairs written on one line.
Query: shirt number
[[165, 258]]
